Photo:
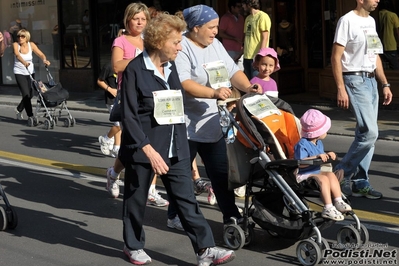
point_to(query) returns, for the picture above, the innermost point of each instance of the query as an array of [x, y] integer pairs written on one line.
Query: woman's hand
[[157, 163], [26, 64], [222, 93], [255, 88], [46, 62]]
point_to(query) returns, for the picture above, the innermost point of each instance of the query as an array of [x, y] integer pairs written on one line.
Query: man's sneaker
[[215, 256], [211, 196], [112, 184], [106, 144], [201, 186], [332, 213], [240, 191], [155, 199], [342, 206], [346, 187], [175, 224], [367, 192], [19, 114], [137, 257]]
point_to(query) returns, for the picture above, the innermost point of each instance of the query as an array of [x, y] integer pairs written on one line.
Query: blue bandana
[[198, 15]]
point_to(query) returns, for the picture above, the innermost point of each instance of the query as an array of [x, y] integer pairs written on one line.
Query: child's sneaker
[[137, 257], [332, 213], [342, 206], [201, 186], [215, 256], [112, 186], [211, 196]]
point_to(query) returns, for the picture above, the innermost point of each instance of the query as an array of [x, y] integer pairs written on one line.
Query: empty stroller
[[51, 97], [8, 216], [266, 137]]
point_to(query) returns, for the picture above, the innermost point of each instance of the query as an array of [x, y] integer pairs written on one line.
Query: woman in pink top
[[124, 49]]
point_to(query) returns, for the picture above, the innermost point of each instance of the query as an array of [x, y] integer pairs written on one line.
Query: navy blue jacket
[[139, 125]]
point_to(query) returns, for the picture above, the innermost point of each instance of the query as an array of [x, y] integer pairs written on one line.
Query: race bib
[[168, 107], [374, 44], [218, 74], [260, 106]]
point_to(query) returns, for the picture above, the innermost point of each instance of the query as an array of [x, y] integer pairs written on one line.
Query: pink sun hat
[[314, 124], [270, 52]]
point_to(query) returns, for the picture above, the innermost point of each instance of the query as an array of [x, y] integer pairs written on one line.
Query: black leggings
[[25, 86]]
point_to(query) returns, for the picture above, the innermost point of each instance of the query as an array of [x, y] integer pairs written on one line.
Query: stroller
[[267, 130], [51, 97], [8, 216]]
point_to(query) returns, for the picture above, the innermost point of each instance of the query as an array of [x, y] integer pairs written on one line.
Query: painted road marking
[[93, 173]]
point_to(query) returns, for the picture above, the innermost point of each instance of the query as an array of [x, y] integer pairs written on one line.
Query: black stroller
[[266, 136], [51, 97], [8, 216]]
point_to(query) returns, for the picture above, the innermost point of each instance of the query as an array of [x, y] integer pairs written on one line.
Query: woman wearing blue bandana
[[207, 73]]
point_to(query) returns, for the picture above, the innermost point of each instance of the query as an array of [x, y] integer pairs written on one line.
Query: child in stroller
[[263, 160], [314, 129]]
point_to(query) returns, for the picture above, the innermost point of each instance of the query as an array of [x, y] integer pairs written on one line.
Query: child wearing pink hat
[[314, 129], [266, 63]]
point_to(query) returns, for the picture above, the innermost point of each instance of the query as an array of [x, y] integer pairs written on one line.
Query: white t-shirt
[[357, 34], [202, 117]]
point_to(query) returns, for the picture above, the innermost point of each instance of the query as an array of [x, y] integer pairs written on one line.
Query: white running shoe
[[240, 191], [175, 223], [215, 256], [112, 184], [19, 114], [105, 144], [137, 257], [211, 196], [155, 199]]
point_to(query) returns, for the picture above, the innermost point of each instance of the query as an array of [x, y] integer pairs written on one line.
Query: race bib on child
[[168, 107], [217, 74], [260, 106]]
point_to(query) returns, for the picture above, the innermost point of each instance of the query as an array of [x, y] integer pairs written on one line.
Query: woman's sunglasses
[[21, 36]]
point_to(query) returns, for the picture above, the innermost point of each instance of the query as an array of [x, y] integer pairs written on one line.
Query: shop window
[[286, 33], [76, 39]]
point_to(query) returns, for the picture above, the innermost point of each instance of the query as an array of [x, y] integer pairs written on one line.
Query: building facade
[[302, 33]]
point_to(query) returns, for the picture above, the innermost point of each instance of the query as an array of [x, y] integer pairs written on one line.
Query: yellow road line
[[52, 163], [371, 216]]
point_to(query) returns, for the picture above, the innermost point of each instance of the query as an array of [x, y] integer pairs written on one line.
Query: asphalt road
[[54, 180]]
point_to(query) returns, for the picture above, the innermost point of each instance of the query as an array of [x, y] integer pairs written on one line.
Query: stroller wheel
[[308, 252], [67, 122], [47, 124], [11, 217], [3, 219], [35, 121], [250, 234], [73, 122], [348, 237], [234, 236], [364, 234]]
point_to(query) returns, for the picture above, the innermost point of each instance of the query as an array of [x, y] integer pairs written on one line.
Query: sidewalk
[[342, 121]]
